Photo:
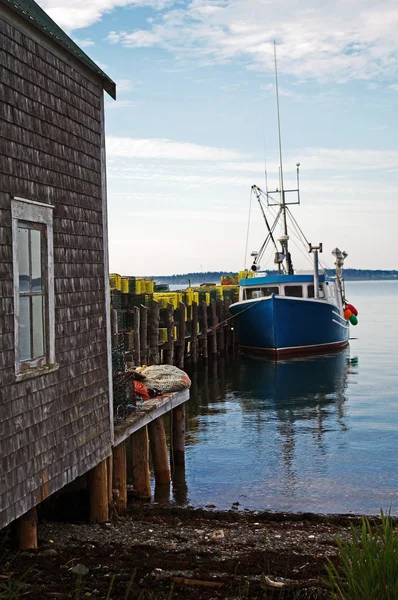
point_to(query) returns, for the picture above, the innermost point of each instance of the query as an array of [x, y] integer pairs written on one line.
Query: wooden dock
[[196, 332]]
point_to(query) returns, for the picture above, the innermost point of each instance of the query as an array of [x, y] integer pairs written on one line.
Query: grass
[[368, 568]]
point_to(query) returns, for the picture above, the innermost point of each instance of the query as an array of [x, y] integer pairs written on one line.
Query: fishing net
[[166, 378]]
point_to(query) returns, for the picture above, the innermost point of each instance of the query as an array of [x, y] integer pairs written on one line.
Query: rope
[[229, 318]]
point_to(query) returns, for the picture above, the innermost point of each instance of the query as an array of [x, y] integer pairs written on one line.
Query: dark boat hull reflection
[[295, 381]]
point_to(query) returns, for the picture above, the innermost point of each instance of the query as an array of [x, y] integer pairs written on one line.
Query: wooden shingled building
[[55, 365]]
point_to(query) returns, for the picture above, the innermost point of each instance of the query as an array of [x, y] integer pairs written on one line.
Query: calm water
[[317, 435]]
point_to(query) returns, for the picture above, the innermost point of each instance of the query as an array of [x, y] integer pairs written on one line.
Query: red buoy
[[347, 313], [352, 309]]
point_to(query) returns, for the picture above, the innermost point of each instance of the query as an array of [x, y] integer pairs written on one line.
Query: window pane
[[35, 248], [23, 258], [310, 291], [294, 290], [38, 326], [267, 291], [24, 329]]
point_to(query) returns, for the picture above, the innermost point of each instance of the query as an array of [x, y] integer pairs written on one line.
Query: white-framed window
[[32, 238]]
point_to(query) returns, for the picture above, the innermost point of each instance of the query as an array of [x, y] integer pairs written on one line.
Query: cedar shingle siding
[[53, 427]]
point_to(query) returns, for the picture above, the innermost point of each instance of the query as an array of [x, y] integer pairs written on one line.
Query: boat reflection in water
[[263, 431], [295, 382]]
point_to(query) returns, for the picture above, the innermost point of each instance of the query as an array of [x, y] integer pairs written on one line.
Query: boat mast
[[284, 239]]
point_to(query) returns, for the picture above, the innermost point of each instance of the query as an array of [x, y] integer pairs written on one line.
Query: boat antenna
[[285, 239], [265, 166]]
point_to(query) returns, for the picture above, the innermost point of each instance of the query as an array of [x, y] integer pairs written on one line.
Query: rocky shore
[[158, 552]]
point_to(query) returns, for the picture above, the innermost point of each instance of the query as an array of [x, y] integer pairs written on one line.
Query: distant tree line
[[214, 276]]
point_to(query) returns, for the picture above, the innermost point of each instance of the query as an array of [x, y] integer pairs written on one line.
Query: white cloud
[[124, 85], [340, 41], [86, 43], [166, 149], [74, 14]]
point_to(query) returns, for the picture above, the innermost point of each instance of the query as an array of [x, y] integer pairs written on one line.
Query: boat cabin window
[[310, 291], [252, 293], [294, 290], [267, 291]]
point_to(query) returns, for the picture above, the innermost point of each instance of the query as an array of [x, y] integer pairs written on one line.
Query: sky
[[195, 123]]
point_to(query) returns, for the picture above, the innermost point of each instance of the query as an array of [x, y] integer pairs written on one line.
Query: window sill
[[36, 372]]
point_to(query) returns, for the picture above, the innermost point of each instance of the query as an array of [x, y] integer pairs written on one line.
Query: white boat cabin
[[294, 286]]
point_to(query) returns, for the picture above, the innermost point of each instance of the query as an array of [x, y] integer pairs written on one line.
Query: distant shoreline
[[214, 277]]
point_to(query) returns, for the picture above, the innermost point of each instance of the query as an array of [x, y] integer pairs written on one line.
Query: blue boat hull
[[281, 325]]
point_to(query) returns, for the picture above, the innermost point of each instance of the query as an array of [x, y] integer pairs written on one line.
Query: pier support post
[[157, 438], [177, 454], [194, 333], [26, 530], [168, 352], [180, 354], [109, 477], [214, 322], [221, 330], [228, 333], [154, 334], [204, 330], [120, 478], [98, 492], [140, 463]]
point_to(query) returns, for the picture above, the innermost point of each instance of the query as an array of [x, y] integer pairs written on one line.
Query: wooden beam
[[157, 438], [177, 454], [26, 530], [140, 463], [194, 334], [221, 329], [109, 477], [98, 492], [154, 318], [151, 409], [214, 322], [168, 352], [181, 336], [120, 478], [203, 315]]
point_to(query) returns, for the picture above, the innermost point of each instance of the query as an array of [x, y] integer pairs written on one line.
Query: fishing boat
[[289, 313]]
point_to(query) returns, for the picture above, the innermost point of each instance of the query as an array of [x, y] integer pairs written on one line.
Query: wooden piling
[[109, 477], [194, 333], [180, 354], [144, 334], [228, 332], [157, 439], [204, 330], [177, 453], [168, 352], [140, 463], [221, 329], [26, 530], [98, 492], [154, 356], [120, 478], [214, 322]]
